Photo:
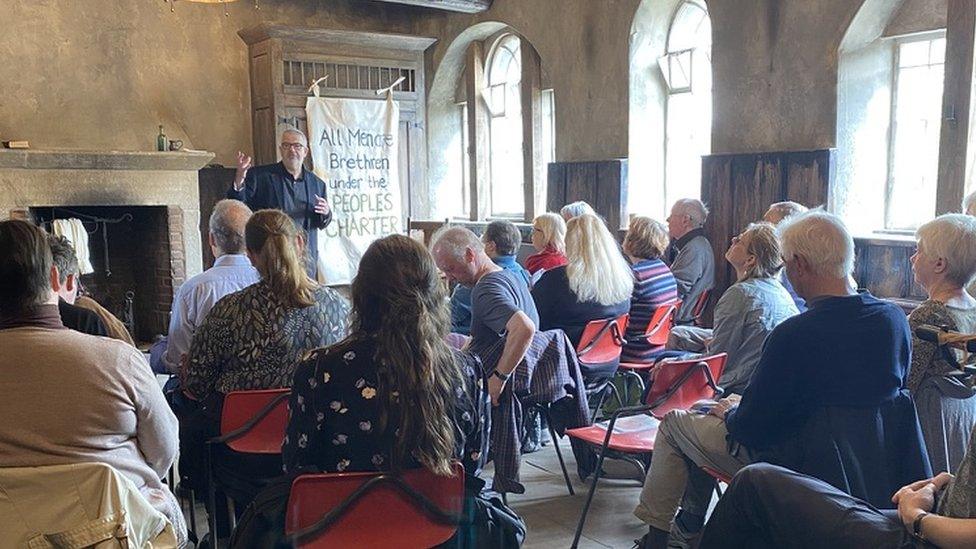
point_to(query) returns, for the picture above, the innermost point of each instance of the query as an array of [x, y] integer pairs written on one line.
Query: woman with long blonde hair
[[595, 284], [393, 395]]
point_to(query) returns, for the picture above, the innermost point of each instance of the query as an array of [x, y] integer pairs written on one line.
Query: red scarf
[[547, 259]]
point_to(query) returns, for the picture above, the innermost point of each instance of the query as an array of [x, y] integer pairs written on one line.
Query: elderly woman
[[944, 264], [654, 285], [747, 312], [576, 209], [549, 241]]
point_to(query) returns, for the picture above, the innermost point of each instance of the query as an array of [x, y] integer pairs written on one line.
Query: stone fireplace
[[141, 210]]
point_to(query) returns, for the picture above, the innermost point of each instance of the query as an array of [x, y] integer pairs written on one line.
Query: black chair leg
[[589, 498], [211, 496], [559, 454]]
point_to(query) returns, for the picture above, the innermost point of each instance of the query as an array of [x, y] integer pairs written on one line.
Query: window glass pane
[[507, 181], [915, 147], [689, 115], [913, 54], [937, 52]]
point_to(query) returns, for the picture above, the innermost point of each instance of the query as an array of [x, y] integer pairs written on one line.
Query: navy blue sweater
[[844, 351]]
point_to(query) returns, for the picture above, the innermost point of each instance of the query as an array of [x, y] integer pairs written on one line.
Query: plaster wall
[[103, 74]]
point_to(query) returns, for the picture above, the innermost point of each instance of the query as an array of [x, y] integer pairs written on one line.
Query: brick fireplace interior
[[133, 258]]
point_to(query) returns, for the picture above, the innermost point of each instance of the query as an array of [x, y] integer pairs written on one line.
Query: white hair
[[953, 238], [455, 240], [969, 204], [576, 209], [822, 239], [692, 207], [596, 270]]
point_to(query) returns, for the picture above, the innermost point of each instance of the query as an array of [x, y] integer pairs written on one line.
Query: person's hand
[[912, 502], [939, 481], [723, 406], [322, 206], [244, 163], [495, 387]]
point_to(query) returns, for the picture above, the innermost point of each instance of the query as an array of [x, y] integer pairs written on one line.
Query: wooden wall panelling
[[738, 188], [555, 186]]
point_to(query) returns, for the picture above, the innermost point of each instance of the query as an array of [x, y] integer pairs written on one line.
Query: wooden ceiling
[[466, 6]]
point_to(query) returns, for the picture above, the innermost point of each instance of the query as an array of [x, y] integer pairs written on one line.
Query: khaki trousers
[[685, 442]]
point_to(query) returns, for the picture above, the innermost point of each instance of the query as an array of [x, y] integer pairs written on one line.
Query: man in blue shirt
[[848, 349], [289, 187], [501, 240], [231, 271]]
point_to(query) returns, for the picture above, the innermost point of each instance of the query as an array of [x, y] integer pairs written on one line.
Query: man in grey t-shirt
[[501, 304]]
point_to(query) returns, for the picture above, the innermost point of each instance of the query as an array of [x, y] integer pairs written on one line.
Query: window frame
[[927, 36]]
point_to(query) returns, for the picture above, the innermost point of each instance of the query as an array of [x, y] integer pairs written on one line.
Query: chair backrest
[[679, 384], [659, 328], [602, 340], [254, 422], [413, 509], [699, 308]]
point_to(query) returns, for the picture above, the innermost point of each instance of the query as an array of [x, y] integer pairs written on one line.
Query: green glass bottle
[[161, 140]]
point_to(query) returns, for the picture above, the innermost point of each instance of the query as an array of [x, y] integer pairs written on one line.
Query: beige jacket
[[77, 506]]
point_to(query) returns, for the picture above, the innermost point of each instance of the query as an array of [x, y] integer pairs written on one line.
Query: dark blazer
[[263, 189], [81, 319]]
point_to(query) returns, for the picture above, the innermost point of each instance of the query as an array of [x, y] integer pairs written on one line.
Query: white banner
[[354, 147]]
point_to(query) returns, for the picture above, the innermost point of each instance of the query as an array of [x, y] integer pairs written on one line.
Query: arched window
[[687, 68], [504, 96]]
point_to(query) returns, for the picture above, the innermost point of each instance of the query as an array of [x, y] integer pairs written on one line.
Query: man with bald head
[[231, 271], [289, 187], [501, 304], [690, 255]]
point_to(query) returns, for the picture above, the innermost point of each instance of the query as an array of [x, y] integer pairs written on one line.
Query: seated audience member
[[502, 240], [66, 286], [393, 395], [747, 312], [71, 397], [771, 507], [654, 284], [502, 310], [775, 214], [549, 241], [690, 255], [254, 338], [231, 271], [596, 283], [576, 209], [848, 350], [944, 263], [116, 328]]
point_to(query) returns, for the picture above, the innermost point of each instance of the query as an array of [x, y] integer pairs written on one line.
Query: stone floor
[[551, 514]]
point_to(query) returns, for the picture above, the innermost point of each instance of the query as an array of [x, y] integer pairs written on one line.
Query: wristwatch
[[501, 376], [917, 526]]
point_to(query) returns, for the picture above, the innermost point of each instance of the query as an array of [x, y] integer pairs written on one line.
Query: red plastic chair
[[629, 434], [599, 346], [251, 422], [412, 509], [699, 308], [658, 330]]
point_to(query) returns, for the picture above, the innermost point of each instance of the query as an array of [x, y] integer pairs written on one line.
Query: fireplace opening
[[130, 252]]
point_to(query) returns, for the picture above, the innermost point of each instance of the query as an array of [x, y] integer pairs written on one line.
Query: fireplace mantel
[[52, 178], [102, 160]]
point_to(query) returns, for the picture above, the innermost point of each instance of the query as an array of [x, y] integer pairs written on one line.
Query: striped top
[[654, 285]]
